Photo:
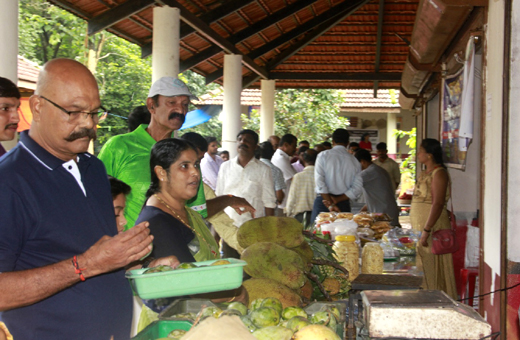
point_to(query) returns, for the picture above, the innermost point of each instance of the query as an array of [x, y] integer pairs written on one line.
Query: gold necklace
[[184, 222]]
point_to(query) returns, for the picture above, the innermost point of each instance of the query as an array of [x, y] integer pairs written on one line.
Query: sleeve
[[219, 190], [290, 205], [107, 155], [208, 176], [15, 224], [319, 175], [356, 189], [279, 182], [223, 224], [268, 195], [168, 239]]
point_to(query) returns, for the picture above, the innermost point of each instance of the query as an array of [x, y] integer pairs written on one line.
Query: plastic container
[[204, 279], [314, 307], [183, 306], [161, 329], [372, 260], [347, 252]]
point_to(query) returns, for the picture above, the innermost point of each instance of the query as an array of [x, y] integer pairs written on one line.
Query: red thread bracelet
[[77, 268]]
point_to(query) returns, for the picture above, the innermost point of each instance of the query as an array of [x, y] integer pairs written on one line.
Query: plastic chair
[[468, 278]]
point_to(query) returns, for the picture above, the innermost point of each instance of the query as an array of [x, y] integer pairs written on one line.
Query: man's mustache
[[174, 115], [91, 133], [243, 146], [12, 124]]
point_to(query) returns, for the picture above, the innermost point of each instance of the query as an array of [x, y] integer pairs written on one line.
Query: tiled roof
[[353, 98], [27, 73]]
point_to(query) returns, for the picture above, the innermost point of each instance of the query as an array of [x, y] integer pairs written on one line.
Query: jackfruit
[[272, 261], [305, 251], [285, 231], [264, 288]]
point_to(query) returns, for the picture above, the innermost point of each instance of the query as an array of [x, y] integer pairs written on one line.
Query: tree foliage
[[408, 165], [308, 114]]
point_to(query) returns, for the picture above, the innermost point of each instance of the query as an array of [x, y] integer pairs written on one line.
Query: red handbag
[[444, 240]]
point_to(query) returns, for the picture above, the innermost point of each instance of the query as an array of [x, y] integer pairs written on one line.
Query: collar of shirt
[[43, 156]]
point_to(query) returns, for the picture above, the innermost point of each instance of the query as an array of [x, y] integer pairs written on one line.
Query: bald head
[[275, 141], [64, 75]]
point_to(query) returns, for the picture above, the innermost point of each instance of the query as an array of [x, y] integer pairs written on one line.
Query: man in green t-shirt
[[127, 156]]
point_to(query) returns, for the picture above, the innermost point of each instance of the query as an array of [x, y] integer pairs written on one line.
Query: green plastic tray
[[187, 281], [161, 329]]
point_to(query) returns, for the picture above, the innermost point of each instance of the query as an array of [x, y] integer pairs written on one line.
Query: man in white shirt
[[282, 159], [247, 177], [210, 164], [388, 164], [338, 177], [302, 194]]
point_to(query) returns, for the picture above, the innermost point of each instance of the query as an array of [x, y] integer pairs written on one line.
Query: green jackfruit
[[272, 261], [305, 251], [264, 288], [285, 231]]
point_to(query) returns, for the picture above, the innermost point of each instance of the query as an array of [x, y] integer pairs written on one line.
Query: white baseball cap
[[170, 87]]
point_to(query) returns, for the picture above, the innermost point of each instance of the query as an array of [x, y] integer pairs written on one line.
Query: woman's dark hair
[[363, 136], [118, 187], [433, 147], [165, 153]]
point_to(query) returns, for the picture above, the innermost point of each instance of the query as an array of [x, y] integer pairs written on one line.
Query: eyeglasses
[[77, 116]]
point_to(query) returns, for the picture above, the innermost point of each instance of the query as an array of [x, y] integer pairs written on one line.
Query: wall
[[492, 168], [433, 117], [408, 122]]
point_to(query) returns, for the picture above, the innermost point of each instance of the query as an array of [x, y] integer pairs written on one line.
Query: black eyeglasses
[[77, 116]]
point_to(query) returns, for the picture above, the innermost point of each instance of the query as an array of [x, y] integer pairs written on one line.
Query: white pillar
[[166, 37], [231, 125], [267, 109], [9, 55], [391, 125]]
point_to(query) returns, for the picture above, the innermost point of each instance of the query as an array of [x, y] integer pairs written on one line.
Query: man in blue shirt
[[61, 257]]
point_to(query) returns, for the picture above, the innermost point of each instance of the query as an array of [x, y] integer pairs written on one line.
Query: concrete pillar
[[391, 125], [267, 109], [231, 125], [166, 37], [9, 39]]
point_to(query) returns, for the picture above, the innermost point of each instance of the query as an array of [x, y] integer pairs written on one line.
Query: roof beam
[[336, 14], [218, 13], [204, 30], [379, 41], [247, 32], [116, 14], [358, 76]]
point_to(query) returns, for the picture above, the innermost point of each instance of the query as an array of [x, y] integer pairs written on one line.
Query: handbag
[[444, 241]]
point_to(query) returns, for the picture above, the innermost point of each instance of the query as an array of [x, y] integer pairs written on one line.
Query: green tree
[[408, 165], [310, 114]]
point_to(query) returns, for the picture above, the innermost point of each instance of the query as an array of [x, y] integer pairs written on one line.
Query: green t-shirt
[[127, 158]]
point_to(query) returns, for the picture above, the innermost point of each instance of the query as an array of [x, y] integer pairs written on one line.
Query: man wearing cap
[[127, 156], [210, 164], [9, 104]]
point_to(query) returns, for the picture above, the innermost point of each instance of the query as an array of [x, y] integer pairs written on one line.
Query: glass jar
[[372, 259], [347, 252]]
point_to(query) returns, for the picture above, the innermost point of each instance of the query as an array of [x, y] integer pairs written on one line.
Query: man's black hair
[[197, 140], [302, 149], [341, 136], [327, 144], [8, 89], [287, 138], [211, 139], [353, 145], [310, 156], [304, 142], [223, 151], [363, 155], [266, 150], [139, 115], [249, 132], [381, 146]]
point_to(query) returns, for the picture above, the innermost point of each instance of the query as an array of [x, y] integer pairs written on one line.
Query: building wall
[[492, 168], [407, 123]]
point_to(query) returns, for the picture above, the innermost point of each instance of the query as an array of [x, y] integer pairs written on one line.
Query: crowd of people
[[73, 223]]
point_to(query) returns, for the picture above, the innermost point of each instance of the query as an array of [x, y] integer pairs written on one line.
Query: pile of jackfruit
[[283, 264]]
